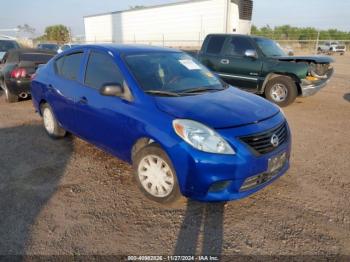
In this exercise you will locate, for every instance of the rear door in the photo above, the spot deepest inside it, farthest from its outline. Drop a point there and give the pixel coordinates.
(236, 68)
(62, 88)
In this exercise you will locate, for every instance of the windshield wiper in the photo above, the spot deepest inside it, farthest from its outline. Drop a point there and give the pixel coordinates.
(201, 90)
(160, 92)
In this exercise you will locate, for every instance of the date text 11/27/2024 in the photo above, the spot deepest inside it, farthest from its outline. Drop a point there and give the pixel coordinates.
(173, 258)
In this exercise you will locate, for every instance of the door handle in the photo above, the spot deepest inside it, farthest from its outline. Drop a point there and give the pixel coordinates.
(225, 61)
(83, 100)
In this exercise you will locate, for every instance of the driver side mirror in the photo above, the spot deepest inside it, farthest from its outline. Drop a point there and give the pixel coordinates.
(110, 89)
(251, 53)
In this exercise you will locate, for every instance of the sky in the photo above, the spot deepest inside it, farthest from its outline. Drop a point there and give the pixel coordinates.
(322, 14)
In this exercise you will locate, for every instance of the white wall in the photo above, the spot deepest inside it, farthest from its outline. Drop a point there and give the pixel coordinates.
(188, 21)
(98, 28)
(184, 24)
(244, 27)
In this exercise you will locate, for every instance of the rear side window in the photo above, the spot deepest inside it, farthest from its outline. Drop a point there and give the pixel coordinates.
(69, 66)
(39, 58)
(101, 69)
(215, 44)
(237, 46)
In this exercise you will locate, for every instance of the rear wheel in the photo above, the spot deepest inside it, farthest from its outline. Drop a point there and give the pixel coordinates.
(155, 175)
(50, 123)
(9, 97)
(281, 91)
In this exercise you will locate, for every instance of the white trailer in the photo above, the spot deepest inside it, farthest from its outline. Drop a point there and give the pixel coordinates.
(180, 24)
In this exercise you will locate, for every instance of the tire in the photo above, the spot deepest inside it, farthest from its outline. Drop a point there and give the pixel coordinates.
(9, 97)
(147, 159)
(50, 123)
(281, 90)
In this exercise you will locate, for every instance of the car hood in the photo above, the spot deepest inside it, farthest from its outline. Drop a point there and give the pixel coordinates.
(315, 59)
(222, 109)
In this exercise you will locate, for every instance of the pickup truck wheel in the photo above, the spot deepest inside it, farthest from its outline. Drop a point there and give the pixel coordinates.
(281, 91)
(9, 97)
(50, 123)
(155, 175)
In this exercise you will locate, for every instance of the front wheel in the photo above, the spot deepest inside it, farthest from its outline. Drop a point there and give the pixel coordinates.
(155, 175)
(50, 123)
(281, 91)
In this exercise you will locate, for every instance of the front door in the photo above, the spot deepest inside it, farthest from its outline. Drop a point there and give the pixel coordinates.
(103, 120)
(235, 67)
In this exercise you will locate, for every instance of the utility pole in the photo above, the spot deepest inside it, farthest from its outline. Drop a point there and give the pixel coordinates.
(317, 41)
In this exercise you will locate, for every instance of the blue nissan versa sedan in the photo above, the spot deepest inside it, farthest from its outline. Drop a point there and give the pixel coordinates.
(184, 130)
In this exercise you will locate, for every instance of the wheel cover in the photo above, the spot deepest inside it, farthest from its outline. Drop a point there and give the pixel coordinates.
(279, 92)
(49, 121)
(156, 176)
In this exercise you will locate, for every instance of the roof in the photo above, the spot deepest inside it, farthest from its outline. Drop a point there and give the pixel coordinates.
(240, 35)
(128, 49)
(146, 7)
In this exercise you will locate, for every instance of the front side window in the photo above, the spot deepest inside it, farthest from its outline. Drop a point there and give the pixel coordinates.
(69, 66)
(177, 73)
(101, 69)
(237, 46)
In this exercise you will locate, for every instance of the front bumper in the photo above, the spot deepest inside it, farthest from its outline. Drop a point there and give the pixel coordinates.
(199, 172)
(310, 88)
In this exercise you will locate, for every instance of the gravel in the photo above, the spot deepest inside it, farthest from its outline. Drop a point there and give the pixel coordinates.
(68, 197)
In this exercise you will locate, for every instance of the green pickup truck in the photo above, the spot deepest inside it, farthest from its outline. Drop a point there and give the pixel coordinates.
(259, 65)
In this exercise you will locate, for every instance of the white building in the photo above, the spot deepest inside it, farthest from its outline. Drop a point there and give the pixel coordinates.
(177, 24)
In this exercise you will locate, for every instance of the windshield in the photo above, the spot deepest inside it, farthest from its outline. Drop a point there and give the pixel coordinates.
(269, 47)
(171, 73)
(7, 45)
(52, 47)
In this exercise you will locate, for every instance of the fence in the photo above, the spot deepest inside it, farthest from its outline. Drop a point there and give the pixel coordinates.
(297, 46)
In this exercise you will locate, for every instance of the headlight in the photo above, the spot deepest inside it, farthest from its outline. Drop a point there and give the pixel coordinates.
(201, 137)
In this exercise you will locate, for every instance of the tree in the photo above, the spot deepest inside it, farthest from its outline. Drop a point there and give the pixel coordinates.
(57, 33)
(287, 32)
(136, 7)
(26, 29)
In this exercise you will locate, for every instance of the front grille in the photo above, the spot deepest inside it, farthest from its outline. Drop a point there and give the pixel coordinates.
(340, 47)
(262, 143)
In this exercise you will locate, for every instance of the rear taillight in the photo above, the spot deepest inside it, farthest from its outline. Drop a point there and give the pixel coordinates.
(19, 73)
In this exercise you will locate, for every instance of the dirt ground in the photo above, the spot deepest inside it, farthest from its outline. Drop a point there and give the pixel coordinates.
(67, 197)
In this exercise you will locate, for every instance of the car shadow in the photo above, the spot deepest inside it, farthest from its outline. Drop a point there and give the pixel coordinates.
(31, 166)
(347, 97)
(204, 219)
